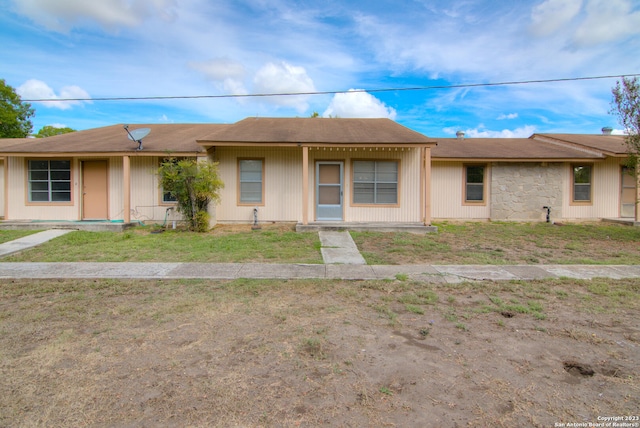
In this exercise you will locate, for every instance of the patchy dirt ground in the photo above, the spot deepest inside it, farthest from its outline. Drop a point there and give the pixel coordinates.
(308, 353)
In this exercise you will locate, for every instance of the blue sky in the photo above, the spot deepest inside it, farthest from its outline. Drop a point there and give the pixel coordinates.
(52, 49)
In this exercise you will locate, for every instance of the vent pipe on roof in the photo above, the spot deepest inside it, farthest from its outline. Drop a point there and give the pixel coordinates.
(460, 135)
(607, 130)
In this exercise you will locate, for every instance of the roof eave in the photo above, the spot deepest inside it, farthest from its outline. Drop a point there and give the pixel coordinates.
(103, 154)
(530, 160)
(312, 144)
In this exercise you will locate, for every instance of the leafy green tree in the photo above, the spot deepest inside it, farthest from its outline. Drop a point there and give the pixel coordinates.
(194, 185)
(14, 114)
(626, 105)
(49, 131)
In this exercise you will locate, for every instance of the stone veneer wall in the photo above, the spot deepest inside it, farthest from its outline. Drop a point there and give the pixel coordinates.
(520, 190)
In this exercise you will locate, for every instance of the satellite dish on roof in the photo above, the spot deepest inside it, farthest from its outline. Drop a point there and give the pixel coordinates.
(137, 134)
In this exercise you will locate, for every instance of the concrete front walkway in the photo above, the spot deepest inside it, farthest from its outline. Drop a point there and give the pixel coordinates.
(30, 241)
(339, 248)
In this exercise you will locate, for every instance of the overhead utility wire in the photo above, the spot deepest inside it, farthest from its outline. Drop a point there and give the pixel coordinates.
(287, 94)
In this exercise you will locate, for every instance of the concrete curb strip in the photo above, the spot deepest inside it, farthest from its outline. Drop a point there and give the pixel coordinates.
(425, 273)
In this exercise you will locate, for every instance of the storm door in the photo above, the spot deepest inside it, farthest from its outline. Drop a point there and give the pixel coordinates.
(329, 184)
(628, 194)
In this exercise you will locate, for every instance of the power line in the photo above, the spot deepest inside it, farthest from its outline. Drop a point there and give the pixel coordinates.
(288, 94)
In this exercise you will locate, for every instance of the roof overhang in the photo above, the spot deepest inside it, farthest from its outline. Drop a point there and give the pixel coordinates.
(137, 153)
(518, 160)
(209, 144)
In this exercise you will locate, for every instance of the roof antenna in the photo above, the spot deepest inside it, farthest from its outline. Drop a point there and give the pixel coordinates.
(137, 134)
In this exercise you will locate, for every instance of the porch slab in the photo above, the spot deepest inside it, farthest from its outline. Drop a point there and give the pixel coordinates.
(628, 221)
(417, 228)
(91, 226)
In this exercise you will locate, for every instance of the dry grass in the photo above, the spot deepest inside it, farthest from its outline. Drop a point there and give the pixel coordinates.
(307, 353)
(505, 243)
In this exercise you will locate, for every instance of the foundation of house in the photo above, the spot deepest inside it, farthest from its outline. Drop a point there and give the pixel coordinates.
(418, 228)
(89, 225)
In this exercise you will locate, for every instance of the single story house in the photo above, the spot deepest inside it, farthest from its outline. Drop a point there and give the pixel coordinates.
(303, 170)
(318, 171)
(572, 177)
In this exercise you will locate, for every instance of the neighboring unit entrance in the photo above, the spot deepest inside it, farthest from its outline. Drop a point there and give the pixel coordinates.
(94, 190)
(329, 190)
(627, 193)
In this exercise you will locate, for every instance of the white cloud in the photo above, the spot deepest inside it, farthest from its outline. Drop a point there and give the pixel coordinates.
(507, 116)
(586, 23)
(62, 15)
(607, 21)
(219, 69)
(552, 15)
(356, 103)
(225, 72)
(284, 78)
(34, 89)
(480, 132)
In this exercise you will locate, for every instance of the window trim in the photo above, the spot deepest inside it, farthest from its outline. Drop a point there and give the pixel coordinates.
(485, 176)
(239, 183)
(29, 202)
(572, 183)
(397, 204)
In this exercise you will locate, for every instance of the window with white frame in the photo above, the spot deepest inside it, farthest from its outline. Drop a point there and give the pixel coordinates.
(251, 181)
(49, 180)
(375, 182)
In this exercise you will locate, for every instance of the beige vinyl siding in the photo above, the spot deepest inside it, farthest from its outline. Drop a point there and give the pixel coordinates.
(408, 209)
(144, 192)
(146, 199)
(447, 186)
(282, 183)
(605, 192)
(409, 198)
(17, 207)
